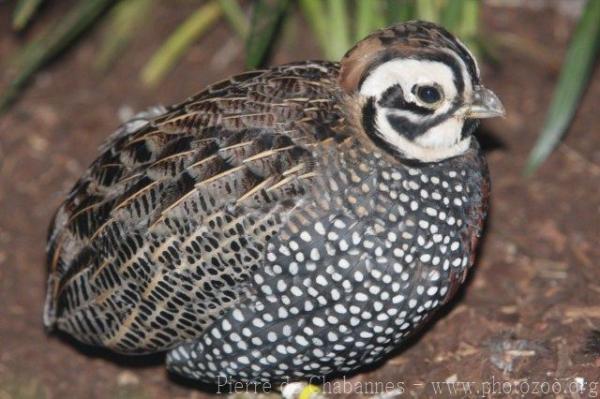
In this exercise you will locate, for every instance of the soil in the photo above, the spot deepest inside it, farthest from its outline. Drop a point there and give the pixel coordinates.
(522, 325)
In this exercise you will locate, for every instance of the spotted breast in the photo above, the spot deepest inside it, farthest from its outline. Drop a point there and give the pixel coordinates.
(288, 223)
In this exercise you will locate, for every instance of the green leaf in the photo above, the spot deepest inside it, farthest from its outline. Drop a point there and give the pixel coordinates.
(184, 36)
(235, 16)
(461, 17)
(573, 79)
(470, 19)
(364, 12)
(317, 19)
(265, 22)
(37, 53)
(125, 18)
(24, 11)
(400, 11)
(452, 15)
(370, 16)
(428, 10)
(339, 32)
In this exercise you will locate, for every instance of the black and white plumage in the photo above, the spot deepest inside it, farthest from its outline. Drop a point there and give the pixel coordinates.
(284, 224)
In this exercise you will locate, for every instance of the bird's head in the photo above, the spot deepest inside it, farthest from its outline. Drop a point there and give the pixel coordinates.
(420, 91)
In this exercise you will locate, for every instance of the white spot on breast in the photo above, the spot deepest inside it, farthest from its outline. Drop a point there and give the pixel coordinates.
(314, 254)
(243, 360)
(238, 315)
(339, 224)
(343, 263)
(343, 244)
(281, 285)
(361, 297)
(430, 211)
(319, 228)
(358, 276)
(321, 280)
(317, 321)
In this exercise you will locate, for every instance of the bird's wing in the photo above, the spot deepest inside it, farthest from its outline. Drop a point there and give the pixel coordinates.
(163, 230)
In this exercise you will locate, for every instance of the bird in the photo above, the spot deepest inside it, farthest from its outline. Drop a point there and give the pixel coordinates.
(285, 224)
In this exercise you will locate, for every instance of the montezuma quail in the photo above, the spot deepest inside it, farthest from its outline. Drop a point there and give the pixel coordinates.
(284, 224)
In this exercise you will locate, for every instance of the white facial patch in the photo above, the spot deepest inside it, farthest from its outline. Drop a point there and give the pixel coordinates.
(442, 140)
(442, 135)
(408, 73)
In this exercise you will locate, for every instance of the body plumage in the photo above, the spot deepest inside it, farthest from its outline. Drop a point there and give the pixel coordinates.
(285, 223)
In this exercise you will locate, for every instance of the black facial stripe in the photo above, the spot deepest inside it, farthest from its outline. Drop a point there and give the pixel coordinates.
(368, 120)
(469, 128)
(412, 130)
(414, 108)
(405, 127)
(464, 55)
(393, 97)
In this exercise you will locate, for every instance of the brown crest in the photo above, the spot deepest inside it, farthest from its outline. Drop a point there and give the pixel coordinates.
(400, 40)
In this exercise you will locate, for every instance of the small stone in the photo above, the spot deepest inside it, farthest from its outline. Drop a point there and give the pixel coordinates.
(127, 378)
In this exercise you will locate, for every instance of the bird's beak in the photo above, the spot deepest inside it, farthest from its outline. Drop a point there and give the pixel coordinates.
(485, 104)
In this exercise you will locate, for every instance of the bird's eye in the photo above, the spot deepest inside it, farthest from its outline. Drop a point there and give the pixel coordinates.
(428, 94)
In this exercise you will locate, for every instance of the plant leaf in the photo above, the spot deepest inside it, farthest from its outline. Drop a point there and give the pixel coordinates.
(369, 17)
(400, 10)
(427, 10)
(266, 19)
(461, 17)
(452, 14)
(235, 16)
(339, 33)
(574, 76)
(125, 18)
(24, 11)
(174, 47)
(469, 26)
(364, 13)
(317, 19)
(37, 53)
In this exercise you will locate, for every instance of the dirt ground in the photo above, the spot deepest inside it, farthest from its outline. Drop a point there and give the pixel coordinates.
(522, 325)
